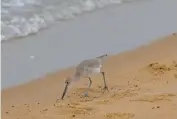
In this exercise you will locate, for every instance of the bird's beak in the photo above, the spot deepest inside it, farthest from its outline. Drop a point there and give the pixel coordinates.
(64, 92)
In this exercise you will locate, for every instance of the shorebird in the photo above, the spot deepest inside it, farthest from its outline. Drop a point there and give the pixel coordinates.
(85, 69)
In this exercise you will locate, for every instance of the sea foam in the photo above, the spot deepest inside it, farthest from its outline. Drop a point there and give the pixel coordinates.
(24, 17)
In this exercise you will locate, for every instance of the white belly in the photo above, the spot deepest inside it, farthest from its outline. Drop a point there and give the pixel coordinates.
(90, 71)
(96, 70)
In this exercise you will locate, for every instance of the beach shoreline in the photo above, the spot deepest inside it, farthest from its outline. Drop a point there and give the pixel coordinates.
(71, 69)
(111, 30)
(141, 81)
(141, 70)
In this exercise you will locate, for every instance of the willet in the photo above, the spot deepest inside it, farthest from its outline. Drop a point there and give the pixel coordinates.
(85, 69)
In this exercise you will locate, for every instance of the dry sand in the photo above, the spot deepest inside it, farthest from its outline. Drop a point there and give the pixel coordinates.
(142, 84)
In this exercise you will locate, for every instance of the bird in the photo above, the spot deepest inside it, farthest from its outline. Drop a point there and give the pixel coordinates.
(85, 69)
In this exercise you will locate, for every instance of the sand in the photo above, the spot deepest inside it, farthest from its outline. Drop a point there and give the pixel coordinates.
(142, 85)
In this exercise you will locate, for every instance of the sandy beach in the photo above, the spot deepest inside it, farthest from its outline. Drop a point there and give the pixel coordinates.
(142, 84)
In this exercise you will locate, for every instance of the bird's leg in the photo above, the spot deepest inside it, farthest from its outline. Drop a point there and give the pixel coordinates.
(105, 86)
(90, 83)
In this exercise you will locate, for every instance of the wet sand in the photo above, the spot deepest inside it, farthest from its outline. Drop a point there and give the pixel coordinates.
(142, 85)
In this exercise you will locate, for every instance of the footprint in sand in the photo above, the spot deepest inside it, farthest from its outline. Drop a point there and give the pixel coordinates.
(154, 98)
(103, 102)
(160, 68)
(119, 115)
(78, 95)
(76, 109)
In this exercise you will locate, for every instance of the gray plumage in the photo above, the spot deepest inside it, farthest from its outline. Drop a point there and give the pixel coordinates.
(85, 69)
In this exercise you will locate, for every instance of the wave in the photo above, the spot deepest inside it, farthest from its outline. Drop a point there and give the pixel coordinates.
(24, 17)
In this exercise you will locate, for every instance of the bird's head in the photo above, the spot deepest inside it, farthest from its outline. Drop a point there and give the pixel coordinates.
(103, 57)
(68, 81)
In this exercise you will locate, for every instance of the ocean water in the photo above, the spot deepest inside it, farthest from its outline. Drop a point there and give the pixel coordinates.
(111, 30)
(24, 17)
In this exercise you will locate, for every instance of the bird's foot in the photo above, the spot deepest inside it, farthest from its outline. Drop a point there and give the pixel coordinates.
(86, 94)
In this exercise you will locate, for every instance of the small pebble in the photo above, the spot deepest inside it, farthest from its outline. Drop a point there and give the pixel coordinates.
(12, 106)
(175, 75)
(7, 112)
(73, 115)
(45, 109)
(158, 106)
(136, 85)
